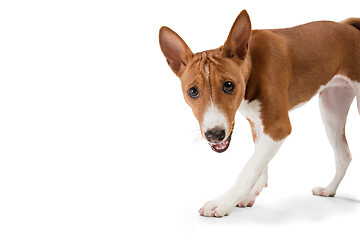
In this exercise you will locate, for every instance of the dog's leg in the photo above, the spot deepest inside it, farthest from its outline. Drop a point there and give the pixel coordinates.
(255, 191)
(334, 106)
(265, 150)
(356, 88)
(263, 179)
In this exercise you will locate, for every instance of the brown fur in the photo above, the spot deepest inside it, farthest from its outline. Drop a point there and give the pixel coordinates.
(253, 132)
(280, 68)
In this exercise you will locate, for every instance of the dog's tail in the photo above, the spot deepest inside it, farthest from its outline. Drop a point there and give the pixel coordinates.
(355, 22)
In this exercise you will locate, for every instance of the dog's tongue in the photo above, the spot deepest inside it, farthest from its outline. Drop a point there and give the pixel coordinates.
(221, 147)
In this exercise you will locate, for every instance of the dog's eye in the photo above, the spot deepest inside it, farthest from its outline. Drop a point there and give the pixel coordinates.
(228, 87)
(193, 92)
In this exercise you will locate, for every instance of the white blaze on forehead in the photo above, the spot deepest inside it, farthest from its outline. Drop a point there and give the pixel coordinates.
(207, 71)
(214, 118)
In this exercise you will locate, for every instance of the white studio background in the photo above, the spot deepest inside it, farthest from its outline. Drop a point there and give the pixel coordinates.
(96, 141)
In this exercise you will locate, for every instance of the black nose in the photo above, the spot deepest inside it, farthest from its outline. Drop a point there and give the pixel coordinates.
(215, 135)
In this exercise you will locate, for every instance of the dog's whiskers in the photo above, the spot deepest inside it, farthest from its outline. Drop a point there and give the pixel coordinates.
(198, 137)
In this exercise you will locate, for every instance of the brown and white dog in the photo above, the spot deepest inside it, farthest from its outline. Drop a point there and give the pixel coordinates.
(263, 74)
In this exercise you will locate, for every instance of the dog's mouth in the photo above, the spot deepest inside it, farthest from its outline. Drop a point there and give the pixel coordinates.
(221, 147)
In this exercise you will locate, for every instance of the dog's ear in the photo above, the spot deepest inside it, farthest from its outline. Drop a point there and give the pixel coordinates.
(237, 42)
(175, 50)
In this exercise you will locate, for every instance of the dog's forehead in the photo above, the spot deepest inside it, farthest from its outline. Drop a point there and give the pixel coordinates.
(207, 67)
(210, 59)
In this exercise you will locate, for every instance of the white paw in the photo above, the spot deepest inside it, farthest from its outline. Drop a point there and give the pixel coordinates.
(324, 192)
(217, 208)
(249, 201)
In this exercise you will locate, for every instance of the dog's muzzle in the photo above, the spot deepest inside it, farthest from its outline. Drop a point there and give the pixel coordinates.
(215, 137)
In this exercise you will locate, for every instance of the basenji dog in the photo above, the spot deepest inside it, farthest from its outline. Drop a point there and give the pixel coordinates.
(263, 74)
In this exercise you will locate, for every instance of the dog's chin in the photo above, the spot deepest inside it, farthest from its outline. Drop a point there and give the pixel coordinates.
(221, 147)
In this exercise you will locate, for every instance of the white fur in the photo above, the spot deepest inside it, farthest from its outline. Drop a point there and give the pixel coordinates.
(334, 101)
(252, 111)
(265, 150)
(214, 118)
(356, 88)
(253, 177)
(207, 71)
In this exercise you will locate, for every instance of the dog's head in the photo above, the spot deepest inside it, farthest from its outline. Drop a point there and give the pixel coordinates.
(213, 82)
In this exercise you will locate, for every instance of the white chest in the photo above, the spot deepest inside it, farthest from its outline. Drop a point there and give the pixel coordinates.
(252, 111)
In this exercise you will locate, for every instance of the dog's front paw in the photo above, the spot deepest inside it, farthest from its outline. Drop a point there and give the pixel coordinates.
(324, 192)
(250, 199)
(246, 202)
(216, 208)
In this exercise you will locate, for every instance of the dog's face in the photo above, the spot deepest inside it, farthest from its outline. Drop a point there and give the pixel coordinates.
(213, 82)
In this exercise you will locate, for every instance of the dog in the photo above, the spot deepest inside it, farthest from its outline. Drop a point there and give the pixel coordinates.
(263, 74)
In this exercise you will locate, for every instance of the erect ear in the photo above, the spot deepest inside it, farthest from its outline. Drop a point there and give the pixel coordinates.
(237, 42)
(175, 50)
